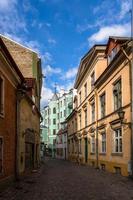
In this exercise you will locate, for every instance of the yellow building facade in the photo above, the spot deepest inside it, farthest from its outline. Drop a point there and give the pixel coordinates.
(104, 108)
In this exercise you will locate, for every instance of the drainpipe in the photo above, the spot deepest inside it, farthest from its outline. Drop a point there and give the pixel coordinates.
(96, 98)
(131, 98)
(17, 136)
(20, 95)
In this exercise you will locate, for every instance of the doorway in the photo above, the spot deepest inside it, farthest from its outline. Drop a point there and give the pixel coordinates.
(86, 150)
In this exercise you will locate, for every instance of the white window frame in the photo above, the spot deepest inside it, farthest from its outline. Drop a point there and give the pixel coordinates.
(117, 139)
(117, 96)
(86, 117)
(103, 143)
(103, 105)
(80, 146)
(93, 113)
(85, 89)
(93, 148)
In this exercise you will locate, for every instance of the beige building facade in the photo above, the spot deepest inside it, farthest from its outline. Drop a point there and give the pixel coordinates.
(104, 107)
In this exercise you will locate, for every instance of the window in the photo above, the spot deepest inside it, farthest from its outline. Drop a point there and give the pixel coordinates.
(80, 143)
(85, 112)
(72, 146)
(92, 144)
(61, 114)
(45, 121)
(68, 146)
(92, 80)
(79, 121)
(49, 111)
(49, 121)
(54, 121)
(117, 95)
(64, 113)
(85, 89)
(1, 96)
(80, 97)
(1, 154)
(103, 149)
(45, 112)
(54, 110)
(93, 112)
(64, 102)
(118, 141)
(76, 124)
(58, 105)
(112, 54)
(49, 132)
(72, 126)
(58, 115)
(61, 104)
(58, 126)
(102, 104)
(54, 131)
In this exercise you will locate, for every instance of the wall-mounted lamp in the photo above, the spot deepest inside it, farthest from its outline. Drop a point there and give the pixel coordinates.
(121, 114)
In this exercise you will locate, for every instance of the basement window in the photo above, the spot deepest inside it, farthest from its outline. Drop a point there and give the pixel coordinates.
(117, 170)
(103, 167)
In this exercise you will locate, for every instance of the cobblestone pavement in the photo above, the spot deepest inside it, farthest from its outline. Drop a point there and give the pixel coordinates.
(62, 180)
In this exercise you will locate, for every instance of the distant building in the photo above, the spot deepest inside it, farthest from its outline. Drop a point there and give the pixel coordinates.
(59, 107)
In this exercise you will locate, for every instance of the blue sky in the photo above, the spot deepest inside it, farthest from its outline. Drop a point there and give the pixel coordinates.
(62, 31)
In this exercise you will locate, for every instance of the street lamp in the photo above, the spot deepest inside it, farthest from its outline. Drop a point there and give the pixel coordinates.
(121, 114)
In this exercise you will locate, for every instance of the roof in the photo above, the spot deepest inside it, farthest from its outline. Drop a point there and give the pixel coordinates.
(3, 36)
(55, 97)
(84, 65)
(118, 39)
(10, 59)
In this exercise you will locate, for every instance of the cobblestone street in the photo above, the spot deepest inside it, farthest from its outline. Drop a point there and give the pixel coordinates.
(62, 180)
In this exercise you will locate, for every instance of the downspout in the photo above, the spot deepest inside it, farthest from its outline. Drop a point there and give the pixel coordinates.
(97, 160)
(131, 100)
(17, 136)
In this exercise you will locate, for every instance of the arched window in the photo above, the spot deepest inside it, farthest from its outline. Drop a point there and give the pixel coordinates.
(54, 110)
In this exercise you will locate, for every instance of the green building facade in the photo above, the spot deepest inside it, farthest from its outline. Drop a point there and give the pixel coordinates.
(57, 110)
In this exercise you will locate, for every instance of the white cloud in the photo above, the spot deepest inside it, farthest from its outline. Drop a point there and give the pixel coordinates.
(51, 41)
(47, 57)
(7, 4)
(112, 30)
(46, 95)
(125, 7)
(48, 70)
(34, 45)
(70, 74)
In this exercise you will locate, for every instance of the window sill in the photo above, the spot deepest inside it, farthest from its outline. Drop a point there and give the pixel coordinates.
(117, 154)
(102, 154)
(92, 153)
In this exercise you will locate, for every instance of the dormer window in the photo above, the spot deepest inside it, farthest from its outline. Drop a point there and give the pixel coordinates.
(92, 80)
(112, 55)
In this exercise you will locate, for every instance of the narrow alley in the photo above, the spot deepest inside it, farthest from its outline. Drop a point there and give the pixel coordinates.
(62, 180)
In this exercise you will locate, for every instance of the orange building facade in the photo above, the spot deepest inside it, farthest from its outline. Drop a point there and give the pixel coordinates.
(104, 107)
